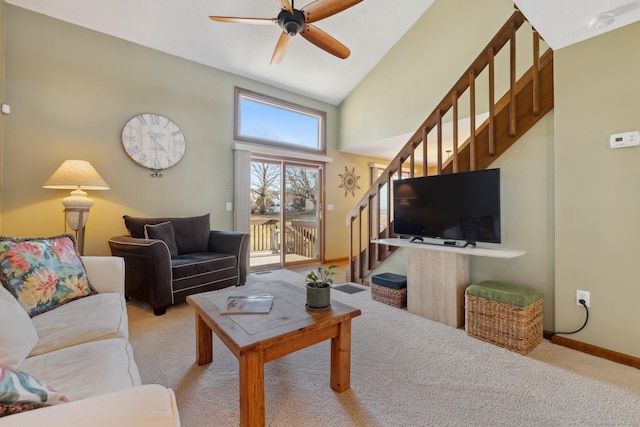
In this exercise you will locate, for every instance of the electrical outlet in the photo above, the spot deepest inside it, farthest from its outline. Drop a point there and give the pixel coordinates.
(582, 295)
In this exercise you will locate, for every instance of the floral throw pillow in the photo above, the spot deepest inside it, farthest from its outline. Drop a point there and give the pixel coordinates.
(20, 391)
(43, 273)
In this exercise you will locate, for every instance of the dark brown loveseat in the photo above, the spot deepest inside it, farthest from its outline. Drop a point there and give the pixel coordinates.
(167, 259)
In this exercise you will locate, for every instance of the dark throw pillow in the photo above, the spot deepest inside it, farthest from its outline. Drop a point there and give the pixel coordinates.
(191, 233)
(163, 231)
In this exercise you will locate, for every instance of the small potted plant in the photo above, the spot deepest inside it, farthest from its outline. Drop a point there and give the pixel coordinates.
(319, 288)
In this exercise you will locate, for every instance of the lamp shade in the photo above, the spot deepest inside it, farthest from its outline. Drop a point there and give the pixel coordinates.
(76, 174)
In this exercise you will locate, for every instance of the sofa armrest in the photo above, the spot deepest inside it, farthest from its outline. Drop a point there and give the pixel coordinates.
(147, 269)
(232, 242)
(148, 405)
(105, 273)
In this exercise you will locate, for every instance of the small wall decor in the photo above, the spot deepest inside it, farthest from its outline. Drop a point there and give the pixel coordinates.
(153, 141)
(349, 181)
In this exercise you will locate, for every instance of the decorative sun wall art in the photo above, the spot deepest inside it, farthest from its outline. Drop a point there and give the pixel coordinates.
(349, 181)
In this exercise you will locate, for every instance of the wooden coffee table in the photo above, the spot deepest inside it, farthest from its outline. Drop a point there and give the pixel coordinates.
(259, 338)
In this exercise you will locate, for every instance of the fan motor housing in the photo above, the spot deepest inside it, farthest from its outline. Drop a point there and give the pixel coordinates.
(291, 23)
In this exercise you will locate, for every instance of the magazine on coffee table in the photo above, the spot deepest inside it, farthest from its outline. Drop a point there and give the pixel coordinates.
(248, 304)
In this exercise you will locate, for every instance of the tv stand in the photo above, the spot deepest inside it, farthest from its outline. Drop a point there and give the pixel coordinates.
(437, 276)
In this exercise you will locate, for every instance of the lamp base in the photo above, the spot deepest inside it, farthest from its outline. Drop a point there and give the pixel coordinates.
(80, 241)
(76, 219)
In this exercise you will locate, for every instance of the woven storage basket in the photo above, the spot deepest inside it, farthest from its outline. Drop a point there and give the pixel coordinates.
(394, 297)
(516, 328)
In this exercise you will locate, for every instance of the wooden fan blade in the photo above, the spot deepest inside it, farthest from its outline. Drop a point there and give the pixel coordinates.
(324, 41)
(254, 21)
(321, 9)
(281, 48)
(284, 4)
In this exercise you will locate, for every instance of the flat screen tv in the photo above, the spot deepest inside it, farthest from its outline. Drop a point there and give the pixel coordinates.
(461, 206)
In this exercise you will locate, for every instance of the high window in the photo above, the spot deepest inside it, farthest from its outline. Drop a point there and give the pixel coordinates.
(271, 121)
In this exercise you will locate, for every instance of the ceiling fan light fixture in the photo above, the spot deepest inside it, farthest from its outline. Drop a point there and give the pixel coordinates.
(291, 23)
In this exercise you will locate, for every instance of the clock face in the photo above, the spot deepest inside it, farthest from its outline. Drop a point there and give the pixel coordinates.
(153, 141)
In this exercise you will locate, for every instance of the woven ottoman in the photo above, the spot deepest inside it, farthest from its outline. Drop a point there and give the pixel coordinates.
(503, 314)
(390, 289)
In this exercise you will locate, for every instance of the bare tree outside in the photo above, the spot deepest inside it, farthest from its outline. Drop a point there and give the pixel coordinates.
(265, 184)
(302, 186)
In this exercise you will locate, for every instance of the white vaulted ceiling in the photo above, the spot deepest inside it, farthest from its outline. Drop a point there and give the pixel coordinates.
(182, 28)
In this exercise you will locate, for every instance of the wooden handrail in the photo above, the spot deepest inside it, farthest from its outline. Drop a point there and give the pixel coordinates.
(467, 151)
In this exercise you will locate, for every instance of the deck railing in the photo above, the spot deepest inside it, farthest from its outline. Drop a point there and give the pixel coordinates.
(300, 237)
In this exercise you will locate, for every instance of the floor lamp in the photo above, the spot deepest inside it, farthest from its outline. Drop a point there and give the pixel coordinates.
(76, 175)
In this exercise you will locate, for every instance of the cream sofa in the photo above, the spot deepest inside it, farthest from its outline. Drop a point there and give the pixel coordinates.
(83, 352)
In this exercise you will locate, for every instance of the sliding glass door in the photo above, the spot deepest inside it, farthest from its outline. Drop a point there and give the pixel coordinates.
(286, 212)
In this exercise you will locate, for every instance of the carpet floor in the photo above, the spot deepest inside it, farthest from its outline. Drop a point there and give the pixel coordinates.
(405, 371)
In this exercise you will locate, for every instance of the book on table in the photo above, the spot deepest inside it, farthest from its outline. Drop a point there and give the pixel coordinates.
(248, 304)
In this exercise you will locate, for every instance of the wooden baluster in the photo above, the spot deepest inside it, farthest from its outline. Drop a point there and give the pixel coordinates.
(378, 209)
(492, 101)
(425, 164)
(377, 224)
(439, 118)
(370, 246)
(472, 120)
(512, 79)
(350, 276)
(412, 161)
(536, 73)
(385, 232)
(454, 103)
(360, 270)
(388, 227)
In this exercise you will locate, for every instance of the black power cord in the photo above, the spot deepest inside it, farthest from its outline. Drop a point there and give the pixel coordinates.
(586, 309)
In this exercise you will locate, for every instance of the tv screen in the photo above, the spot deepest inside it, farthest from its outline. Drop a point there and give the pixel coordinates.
(459, 206)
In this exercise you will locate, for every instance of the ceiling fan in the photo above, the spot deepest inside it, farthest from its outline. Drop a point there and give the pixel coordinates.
(294, 22)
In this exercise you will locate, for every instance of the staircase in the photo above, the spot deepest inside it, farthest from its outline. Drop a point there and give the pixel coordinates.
(528, 98)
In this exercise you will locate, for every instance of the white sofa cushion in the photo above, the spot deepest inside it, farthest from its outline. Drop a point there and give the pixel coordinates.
(106, 273)
(93, 318)
(18, 335)
(88, 369)
(145, 406)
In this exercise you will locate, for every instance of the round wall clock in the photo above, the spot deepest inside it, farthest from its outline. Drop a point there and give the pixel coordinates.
(153, 141)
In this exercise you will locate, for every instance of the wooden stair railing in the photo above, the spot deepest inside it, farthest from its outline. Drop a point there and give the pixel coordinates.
(526, 101)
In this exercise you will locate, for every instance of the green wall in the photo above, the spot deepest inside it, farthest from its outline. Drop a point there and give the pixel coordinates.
(72, 90)
(597, 204)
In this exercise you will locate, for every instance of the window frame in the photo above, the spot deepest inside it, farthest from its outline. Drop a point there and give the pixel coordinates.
(281, 104)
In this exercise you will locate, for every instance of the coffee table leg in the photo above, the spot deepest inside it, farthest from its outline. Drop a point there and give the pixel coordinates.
(252, 389)
(204, 342)
(341, 358)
